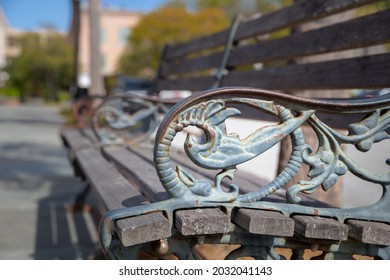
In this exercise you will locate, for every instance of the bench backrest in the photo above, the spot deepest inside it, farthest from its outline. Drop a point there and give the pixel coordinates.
(311, 44)
(178, 60)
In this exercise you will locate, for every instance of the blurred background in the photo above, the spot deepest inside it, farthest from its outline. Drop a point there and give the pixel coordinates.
(48, 59)
(45, 45)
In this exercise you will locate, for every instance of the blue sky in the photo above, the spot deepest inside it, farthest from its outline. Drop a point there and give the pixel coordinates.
(32, 14)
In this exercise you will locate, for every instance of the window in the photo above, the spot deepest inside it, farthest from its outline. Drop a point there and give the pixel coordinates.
(102, 35)
(124, 34)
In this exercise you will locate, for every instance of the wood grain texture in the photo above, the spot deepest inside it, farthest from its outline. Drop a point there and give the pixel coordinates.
(193, 84)
(264, 222)
(116, 192)
(202, 221)
(138, 170)
(369, 232)
(299, 12)
(362, 72)
(192, 64)
(356, 33)
(74, 139)
(320, 228)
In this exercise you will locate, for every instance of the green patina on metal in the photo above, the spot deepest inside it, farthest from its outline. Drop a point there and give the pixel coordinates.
(225, 152)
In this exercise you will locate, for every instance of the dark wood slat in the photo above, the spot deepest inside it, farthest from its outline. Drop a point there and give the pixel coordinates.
(202, 221)
(264, 222)
(209, 41)
(193, 84)
(297, 13)
(363, 72)
(116, 192)
(320, 228)
(300, 12)
(139, 171)
(191, 65)
(361, 32)
(74, 139)
(369, 232)
(90, 135)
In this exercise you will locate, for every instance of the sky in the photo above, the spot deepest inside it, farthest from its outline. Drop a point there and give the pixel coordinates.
(33, 14)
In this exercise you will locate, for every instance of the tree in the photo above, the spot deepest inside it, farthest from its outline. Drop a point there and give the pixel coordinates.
(170, 24)
(44, 65)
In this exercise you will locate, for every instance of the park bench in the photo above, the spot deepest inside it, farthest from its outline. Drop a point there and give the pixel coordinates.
(165, 202)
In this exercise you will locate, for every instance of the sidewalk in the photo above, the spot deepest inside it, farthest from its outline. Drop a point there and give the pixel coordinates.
(36, 186)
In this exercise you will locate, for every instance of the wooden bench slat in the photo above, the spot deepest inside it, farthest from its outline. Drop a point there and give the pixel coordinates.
(297, 13)
(363, 72)
(74, 139)
(202, 221)
(90, 135)
(192, 84)
(264, 222)
(191, 65)
(369, 232)
(115, 192)
(209, 41)
(356, 33)
(132, 165)
(320, 228)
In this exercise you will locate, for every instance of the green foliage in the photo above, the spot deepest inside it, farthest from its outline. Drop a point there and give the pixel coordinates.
(170, 24)
(9, 92)
(43, 67)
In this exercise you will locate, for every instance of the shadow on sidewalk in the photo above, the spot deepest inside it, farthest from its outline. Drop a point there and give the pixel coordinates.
(61, 232)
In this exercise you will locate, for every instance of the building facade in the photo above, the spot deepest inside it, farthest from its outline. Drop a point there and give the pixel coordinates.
(3, 38)
(115, 28)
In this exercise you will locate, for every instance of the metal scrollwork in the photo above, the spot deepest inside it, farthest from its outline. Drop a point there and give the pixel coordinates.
(225, 151)
(330, 161)
(125, 119)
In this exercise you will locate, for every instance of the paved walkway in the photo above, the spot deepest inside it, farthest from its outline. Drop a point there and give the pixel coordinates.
(36, 186)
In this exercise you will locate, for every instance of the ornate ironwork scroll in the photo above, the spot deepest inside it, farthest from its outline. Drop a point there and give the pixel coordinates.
(224, 152)
(126, 119)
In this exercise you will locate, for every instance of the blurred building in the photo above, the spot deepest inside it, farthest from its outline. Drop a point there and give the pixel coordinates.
(115, 28)
(10, 46)
(3, 38)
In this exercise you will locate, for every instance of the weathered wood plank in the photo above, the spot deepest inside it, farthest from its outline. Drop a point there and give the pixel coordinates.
(74, 140)
(362, 72)
(193, 84)
(264, 222)
(369, 232)
(115, 192)
(297, 13)
(193, 64)
(182, 49)
(202, 221)
(357, 33)
(320, 228)
(140, 171)
(300, 12)
(90, 135)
